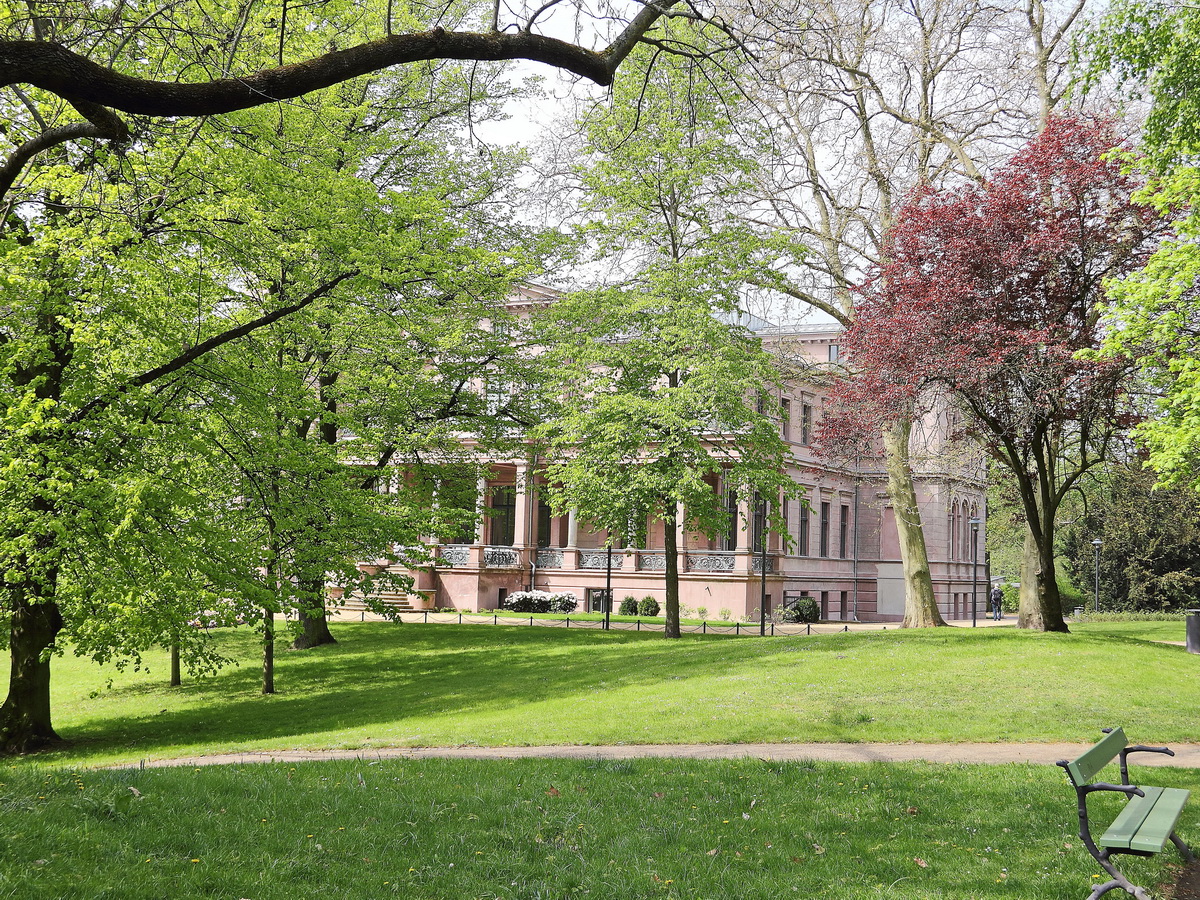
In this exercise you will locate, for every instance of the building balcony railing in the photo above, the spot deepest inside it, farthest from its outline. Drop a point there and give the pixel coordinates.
(549, 558)
(711, 561)
(501, 558)
(756, 563)
(598, 559)
(456, 555)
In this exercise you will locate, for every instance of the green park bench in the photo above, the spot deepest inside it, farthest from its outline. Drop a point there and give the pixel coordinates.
(1143, 826)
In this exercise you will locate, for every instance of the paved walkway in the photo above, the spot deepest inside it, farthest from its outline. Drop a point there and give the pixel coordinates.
(1186, 755)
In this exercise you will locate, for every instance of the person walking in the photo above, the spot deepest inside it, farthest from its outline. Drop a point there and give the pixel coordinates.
(997, 599)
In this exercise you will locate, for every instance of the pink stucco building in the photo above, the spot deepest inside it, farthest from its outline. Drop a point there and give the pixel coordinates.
(843, 552)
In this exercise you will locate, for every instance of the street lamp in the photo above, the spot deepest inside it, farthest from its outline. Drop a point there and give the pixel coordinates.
(762, 600)
(1096, 546)
(974, 522)
(608, 584)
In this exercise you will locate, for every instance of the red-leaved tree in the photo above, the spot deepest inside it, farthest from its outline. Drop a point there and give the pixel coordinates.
(987, 295)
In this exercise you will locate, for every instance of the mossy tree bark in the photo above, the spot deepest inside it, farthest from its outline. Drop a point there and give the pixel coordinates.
(920, 603)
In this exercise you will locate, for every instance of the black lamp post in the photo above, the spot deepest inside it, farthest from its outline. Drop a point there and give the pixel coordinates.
(608, 585)
(975, 523)
(1096, 546)
(762, 599)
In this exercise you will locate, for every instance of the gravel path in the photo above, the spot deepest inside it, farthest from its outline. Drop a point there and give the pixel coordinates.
(1186, 755)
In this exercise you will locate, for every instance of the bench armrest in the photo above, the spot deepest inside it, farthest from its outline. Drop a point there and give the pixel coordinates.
(1140, 748)
(1128, 789)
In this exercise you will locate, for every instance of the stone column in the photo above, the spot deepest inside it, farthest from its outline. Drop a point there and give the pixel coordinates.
(571, 552)
(480, 523)
(521, 497)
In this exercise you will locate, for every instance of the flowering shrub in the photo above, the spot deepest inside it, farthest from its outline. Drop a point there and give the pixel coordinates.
(648, 606)
(539, 602)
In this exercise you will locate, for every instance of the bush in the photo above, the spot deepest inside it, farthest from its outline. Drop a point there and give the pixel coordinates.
(539, 602)
(647, 606)
(806, 609)
(1012, 597)
(628, 607)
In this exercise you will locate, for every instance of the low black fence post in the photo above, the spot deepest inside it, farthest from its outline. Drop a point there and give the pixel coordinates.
(460, 618)
(531, 621)
(639, 621)
(772, 629)
(704, 627)
(426, 617)
(808, 628)
(736, 628)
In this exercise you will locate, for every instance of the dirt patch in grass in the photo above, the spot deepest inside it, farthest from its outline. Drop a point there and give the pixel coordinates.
(1187, 885)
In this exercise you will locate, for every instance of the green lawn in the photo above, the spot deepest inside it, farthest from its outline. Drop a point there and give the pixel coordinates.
(563, 829)
(416, 685)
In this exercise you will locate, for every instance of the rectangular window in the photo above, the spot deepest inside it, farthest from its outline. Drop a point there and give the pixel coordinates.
(497, 394)
(802, 531)
(543, 523)
(596, 600)
(826, 511)
(785, 418)
(844, 532)
(759, 515)
(731, 507)
(833, 352)
(503, 526)
(806, 423)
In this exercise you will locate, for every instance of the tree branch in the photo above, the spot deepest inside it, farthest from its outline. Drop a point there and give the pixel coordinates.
(194, 353)
(54, 68)
(102, 124)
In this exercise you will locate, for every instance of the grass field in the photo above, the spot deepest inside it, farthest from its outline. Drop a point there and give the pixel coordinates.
(567, 829)
(450, 829)
(413, 685)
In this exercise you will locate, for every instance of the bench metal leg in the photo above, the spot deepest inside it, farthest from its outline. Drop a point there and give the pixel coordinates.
(1118, 881)
(1124, 884)
(1184, 850)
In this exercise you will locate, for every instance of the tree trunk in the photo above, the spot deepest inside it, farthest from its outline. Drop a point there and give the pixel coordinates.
(1029, 614)
(25, 716)
(314, 625)
(920, 604)
(1049, 597)
(176, 679)
(671, 550)
(268, 660)
(1041, 602)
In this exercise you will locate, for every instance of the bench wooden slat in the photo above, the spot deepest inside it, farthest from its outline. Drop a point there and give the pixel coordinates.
(1084, 768)
(1156, 830)
(1146, 823)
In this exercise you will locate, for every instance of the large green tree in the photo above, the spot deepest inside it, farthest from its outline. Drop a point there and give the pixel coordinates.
(1149, 555)
(1156, 320)
(658, 391)
(127, 281)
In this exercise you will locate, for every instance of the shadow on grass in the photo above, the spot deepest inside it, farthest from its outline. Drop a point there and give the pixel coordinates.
(380, 674)
(387, 675)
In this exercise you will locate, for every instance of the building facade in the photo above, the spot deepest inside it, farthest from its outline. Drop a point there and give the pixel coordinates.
(841, 547)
